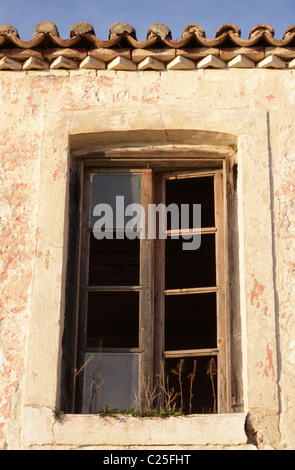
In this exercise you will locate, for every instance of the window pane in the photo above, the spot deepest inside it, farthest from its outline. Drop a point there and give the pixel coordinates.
(110, 379)
(190, 268)
(190, 321)
(193, 191)
(112, 320)
(113, 262)
(105, 188)
(198, 390)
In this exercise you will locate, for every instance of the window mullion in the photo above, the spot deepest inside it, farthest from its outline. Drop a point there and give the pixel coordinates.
(221, 295)
(146, 312)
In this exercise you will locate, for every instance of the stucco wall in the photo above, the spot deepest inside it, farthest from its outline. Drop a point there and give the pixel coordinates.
(39, 113)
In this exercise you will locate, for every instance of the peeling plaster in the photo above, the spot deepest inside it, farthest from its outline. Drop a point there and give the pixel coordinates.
(41, 110)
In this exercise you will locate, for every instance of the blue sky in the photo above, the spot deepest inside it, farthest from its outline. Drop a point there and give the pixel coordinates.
(210, 14)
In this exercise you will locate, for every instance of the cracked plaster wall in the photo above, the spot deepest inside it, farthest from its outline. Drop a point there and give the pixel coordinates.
(38, 112)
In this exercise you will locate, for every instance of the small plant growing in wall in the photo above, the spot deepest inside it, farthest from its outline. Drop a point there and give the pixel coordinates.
(174, 394)
(145, 413)
(191, 378)
(211, 372)
(57, 415)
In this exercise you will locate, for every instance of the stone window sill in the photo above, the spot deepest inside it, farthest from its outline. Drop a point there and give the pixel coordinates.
(122, 432)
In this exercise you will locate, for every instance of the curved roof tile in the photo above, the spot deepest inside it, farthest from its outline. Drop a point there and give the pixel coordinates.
(194, 45)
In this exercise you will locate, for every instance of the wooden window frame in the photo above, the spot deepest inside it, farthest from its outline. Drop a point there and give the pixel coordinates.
(229, 346)
(220, 289)
(145, 287)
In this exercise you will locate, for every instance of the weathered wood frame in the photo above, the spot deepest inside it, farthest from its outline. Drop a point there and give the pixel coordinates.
(145, 289)
(222, 164)
(220, 289)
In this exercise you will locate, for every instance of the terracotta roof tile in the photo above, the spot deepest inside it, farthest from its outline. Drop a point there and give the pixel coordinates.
(84, 49)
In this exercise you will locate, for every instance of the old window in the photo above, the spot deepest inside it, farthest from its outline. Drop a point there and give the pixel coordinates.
(151, 320)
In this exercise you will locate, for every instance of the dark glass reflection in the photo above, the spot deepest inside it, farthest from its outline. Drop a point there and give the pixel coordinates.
(112, 320)
(190, 268)
(193, 191)
(113, 262)
(190, 321)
